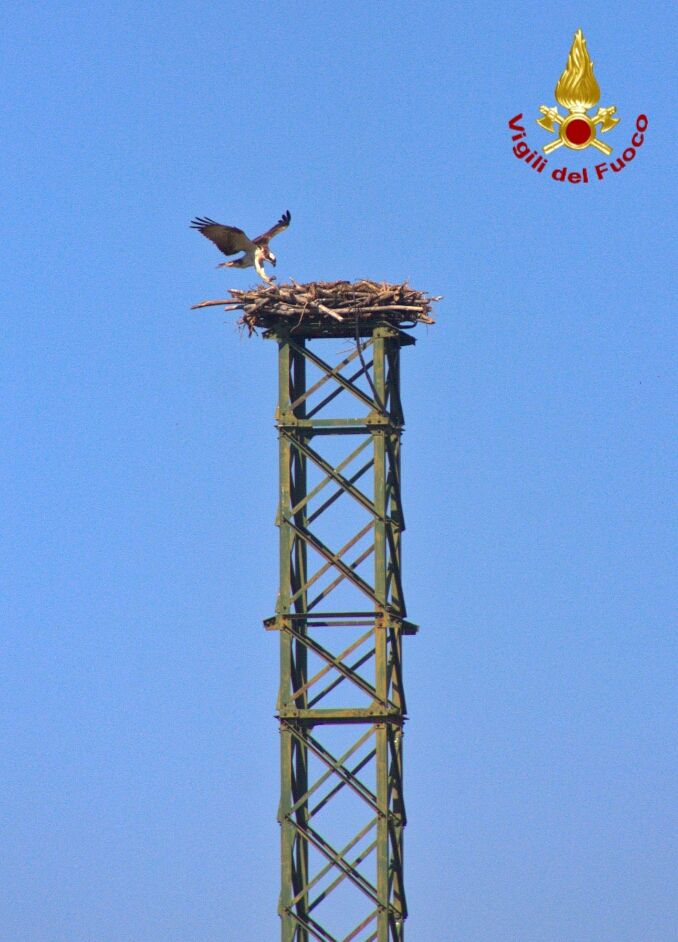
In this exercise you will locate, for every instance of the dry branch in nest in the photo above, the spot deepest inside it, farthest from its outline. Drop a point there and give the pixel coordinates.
(332, 306)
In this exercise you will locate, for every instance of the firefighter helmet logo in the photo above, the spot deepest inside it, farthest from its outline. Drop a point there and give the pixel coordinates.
(578, 91)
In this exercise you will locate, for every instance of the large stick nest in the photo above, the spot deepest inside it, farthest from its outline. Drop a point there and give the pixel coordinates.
(328, 306)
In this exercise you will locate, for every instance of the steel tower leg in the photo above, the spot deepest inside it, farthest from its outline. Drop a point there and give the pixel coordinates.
(341, 704)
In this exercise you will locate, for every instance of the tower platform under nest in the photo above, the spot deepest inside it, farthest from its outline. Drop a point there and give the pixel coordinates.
(328, 308)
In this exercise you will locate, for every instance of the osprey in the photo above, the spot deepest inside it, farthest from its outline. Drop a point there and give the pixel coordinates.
(231, 240)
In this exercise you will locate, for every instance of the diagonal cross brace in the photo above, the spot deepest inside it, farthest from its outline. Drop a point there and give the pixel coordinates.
(326, 655)
(364, 854)
(328, 375)
(333, 373)
(310, 925)
(325, 848)
(326, 480)
(336, 767)
(338, 390)
(333, 473)
(339, 680)
(328, 565)
(319, 782)
(317, 544)
(328, 667)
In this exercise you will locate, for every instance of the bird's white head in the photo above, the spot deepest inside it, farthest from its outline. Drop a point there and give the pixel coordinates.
(268, 256)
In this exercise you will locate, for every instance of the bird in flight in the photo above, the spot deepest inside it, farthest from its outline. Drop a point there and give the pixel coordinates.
(231, 241)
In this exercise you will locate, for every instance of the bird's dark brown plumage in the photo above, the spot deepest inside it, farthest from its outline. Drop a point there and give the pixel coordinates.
(228, 239)
(281, 224)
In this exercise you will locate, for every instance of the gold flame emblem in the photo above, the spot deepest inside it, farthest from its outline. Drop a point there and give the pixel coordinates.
(578, 91)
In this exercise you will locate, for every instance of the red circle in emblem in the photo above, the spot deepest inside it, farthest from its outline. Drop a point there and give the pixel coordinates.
(578, 131)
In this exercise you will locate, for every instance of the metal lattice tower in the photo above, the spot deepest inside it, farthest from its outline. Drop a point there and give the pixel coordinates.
(340, 615)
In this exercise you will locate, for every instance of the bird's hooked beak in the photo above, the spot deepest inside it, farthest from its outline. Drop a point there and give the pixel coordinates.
(273, 260)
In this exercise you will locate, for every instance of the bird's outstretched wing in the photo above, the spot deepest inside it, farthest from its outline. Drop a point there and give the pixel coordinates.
(227, 239)
(280, 226)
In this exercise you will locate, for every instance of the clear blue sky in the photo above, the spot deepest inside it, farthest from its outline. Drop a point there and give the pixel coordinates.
(140, 765)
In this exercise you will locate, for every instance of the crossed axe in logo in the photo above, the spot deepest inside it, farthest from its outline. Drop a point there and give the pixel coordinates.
(577, 130)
